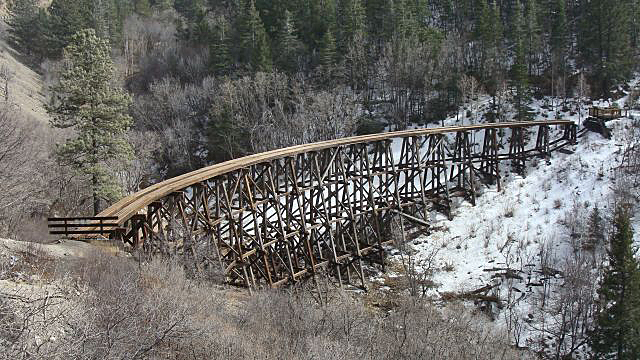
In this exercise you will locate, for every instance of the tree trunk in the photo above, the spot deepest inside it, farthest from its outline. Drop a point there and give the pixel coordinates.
(94, 182)
(96, 198)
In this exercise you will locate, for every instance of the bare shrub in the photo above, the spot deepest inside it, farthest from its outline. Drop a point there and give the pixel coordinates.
(32, 322)
(508, 209)
(23, 190)
(557, 203)
(140, 172)
(144, 36)
(105, 307)
(173, 116)
(294, 327)
(272, 110)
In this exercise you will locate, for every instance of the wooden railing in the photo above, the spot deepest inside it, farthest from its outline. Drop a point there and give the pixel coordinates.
(87, 226)
(607, 113)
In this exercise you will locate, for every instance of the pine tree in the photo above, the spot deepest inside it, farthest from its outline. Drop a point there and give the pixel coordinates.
(379, 19)
(327, 55)
(532, 35)
(21, 23)
(312, 19)
(220, 59)
(605, 42)
(595, 232)
(254, 46)
(272, 14)
(85, 100)
(558, 39)
(404, 22)
(118, 12)
(484, 36)
(66, 18)
(289, 47)
(494, 52)
(350, 22)
(496, 25)
(558, 36)
(635, 23)
(522, 97)
(108, 22)
(191, 9)
(617, 325)
(143, 7)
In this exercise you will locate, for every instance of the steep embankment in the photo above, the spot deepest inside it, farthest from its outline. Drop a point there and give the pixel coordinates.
(25, 86)
(525, 254)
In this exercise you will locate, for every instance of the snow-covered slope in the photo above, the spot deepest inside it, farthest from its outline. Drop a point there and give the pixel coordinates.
(521, 245)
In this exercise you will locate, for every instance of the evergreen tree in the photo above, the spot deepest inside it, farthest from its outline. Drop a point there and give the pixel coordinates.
(617, 325)
(85, 100)
(254, 46)
(558, 35)
(24, 12)
(143, 7)
(532, 35)
(558, 39)
(193, 10)
(313, 19)
(350, 22)
(327, 55)
(484, 37)
(66, 18)
(521, 97)
(404, 23)
(220, 59)
(289, 47)
(494, 52)
(595, 232)
(605, 42)
(496, 25)
(380, 20)
(108, 21)
(595, 237)
(117, 11)
(272, 13)
(635, 23)
(25, 32)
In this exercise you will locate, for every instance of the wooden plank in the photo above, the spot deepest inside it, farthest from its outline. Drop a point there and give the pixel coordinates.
(74, 225)
(82, 218)
(412, 218)
(82, 232)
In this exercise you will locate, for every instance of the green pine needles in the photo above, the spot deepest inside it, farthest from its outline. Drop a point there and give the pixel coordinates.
(86, 100)
(616, 334)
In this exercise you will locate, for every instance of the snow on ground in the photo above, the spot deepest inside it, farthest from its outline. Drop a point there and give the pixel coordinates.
(526, 213)
(534, 222)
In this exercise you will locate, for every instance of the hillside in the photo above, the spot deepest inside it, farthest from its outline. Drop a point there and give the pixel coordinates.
(515, 253)
(25, 85)
(148, 90)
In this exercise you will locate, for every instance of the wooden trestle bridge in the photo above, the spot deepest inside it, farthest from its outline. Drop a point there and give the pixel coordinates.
(282, 216)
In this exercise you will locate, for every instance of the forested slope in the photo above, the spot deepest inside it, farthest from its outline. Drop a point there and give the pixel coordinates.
(209, 78)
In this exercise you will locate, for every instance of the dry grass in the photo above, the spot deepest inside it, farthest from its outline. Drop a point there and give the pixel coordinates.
(104, 307)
